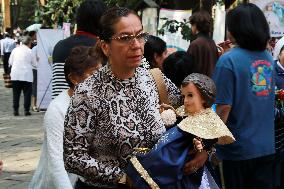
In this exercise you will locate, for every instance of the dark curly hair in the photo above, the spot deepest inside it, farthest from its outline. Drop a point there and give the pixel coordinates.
(80, 59)
(205, 86)
(202, 20)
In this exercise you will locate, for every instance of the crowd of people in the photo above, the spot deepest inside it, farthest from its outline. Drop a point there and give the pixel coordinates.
(19, 63)
(108, 126)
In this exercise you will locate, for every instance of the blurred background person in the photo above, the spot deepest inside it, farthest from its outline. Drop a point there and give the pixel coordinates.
(88, 29)
(279, 70)
(50, 173)
(7, 45)
(22, 75)
(203, 49)
(155, 51)
(35, 55)
(177, 66)
(279, 119)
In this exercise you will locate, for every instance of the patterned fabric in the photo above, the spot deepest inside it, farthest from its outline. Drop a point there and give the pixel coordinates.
(107, 119)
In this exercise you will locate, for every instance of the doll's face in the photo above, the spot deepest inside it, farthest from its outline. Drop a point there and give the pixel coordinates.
(192, 99)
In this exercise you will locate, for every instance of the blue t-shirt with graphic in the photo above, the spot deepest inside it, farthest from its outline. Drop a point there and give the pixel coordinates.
(245, 81)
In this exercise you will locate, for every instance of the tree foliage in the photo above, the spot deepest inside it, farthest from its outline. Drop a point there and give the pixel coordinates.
(173, 26)
(22, 12)
(57, 11)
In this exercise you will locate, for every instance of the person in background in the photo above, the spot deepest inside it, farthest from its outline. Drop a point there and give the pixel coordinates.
(203, 49)
(50, 173)
(155, 51)
(7, 45)
(32, 34)
(279, 120)
(278, 45)
(177, 66)
(22, 75)
(245, 101)
(279, 70)
(88, 29)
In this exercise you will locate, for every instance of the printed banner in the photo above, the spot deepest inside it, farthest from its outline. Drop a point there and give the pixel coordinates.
(46, 40)
(174, 40)
(66, 27)
(274, 13)
(149, 20)
(219, 24)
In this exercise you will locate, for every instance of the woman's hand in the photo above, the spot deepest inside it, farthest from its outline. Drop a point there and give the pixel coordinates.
(193, 165)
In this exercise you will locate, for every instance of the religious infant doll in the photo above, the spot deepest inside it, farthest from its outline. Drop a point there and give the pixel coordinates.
(162, 166)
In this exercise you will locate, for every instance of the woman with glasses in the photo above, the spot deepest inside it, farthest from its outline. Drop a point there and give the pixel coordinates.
(116, 110)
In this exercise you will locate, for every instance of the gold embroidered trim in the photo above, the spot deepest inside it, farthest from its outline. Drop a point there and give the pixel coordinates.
(207, 125)
(144, 174)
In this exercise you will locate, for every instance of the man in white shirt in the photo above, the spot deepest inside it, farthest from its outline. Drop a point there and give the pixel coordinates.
(7, 45)
(21, 61)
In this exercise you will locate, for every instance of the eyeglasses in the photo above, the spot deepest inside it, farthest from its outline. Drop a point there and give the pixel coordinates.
(128, 39)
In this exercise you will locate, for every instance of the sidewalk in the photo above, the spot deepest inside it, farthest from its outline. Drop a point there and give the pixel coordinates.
(20, 141)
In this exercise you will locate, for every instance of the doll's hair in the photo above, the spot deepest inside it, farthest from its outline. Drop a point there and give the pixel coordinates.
(205, 85)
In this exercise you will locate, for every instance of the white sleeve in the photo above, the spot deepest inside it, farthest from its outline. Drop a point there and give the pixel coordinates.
(11, 58)
(2, 48)
(54, 126)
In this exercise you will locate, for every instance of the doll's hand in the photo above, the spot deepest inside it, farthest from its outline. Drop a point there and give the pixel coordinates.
(198, 145)
(193, 165)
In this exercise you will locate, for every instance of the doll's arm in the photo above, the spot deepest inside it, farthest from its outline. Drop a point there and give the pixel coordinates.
(203, 144)
(200, 156)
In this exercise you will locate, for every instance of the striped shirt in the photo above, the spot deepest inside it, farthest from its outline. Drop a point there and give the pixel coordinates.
(60, 54)
(59, 83)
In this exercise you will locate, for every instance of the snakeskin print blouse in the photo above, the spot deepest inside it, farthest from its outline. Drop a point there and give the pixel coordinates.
(107, 119)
